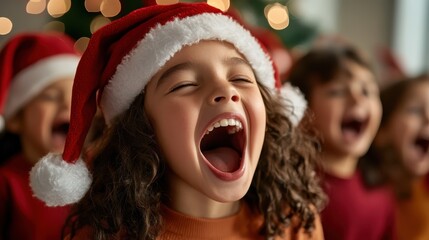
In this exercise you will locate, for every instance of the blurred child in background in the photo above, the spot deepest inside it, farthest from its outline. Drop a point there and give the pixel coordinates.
(344, 112)
(36, 77)
(401, 149)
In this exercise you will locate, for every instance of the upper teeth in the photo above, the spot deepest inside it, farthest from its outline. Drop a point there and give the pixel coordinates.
(225, 123)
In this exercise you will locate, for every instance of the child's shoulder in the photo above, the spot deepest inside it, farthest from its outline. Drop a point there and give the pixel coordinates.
(301, 234)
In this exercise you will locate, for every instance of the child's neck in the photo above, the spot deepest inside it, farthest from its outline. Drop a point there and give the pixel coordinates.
(343, 166)
(199, 205)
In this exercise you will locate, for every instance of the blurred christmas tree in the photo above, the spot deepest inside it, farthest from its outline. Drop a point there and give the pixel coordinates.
(296, 33)
(78, 21)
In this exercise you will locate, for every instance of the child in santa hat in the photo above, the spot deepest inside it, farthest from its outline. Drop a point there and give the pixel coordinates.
(198, 142)
(36, 77)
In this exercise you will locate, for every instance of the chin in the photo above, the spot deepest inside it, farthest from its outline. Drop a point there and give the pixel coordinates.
(232, 191)
(230, 196)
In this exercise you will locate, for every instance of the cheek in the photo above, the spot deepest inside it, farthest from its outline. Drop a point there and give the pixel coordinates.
(403, 133)
(260, 120)
(38, 117)
(376, 111)
(324, 115)
(174, 128)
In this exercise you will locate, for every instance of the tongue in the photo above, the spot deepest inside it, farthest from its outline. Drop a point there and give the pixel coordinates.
(58, 141)
(350, 134)
(223, 158)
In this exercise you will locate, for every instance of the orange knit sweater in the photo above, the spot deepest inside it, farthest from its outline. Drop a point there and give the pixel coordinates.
(241, 226)
(413, 214)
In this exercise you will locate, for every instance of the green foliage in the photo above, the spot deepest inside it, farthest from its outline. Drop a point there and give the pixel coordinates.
(77, 20)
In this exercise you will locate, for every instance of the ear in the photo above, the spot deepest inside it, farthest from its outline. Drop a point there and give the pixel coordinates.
(14, 123)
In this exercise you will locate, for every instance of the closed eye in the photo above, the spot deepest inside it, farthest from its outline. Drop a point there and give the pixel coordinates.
(335, 92)
(181, 86)
(51, 96)
(415, 109)
(242, 80)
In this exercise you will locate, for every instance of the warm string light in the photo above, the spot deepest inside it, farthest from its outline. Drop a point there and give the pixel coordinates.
(81, 44)
(57, 8)
(110, 8)
(223, 5)
(98, 22)
(5, 26)
(277, 16)
(93, 5)
(56, 26)
(35, 7)
(166, 2)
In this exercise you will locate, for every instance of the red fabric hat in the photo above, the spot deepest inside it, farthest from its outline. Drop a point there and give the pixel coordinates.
(30, 62)
(120, 60)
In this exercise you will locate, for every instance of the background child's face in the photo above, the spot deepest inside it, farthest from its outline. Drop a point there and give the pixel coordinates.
(43, 122)
(209, 120)
(408, 129)
(347, 111)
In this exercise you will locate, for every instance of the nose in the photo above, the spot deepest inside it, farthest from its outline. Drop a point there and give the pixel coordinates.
(355, 95)
(224, 93)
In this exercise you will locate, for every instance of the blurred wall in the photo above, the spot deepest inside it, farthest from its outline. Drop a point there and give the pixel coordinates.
(368, 23)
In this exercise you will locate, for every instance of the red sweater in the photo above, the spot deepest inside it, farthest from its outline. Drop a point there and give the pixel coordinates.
(22, 216)
(244, 225)
(355, 212)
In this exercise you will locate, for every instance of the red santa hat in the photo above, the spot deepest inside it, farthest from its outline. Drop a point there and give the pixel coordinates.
(120, 60)
(30, 62)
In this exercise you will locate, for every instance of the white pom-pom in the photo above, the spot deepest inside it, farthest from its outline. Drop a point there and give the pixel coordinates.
(292, 95)
(59, 183)
(2, 124)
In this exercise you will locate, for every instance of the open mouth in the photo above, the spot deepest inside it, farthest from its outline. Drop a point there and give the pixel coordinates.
(422, 144)
(222, 146)
(59, 134)
(353, 128)
(61, 128)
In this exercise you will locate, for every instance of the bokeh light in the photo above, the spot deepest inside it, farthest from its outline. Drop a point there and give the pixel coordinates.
(34, 7)
(223, 5)
(56, 26)
(81, 44)
(57, 8)
(110, 8)
(98, 22)
(277, 16)
(5, 26)
(166, 2)
(93, 5)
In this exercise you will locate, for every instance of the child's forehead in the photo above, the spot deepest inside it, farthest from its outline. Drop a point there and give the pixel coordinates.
(195, 52)
(417, 89)
(200, 47)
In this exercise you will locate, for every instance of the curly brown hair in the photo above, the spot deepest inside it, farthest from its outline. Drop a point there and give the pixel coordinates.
(383, 163)
(128, 179)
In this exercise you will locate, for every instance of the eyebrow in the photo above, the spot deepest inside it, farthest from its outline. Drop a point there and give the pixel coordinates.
(188, 65)
(175, 68)
(237, 61)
